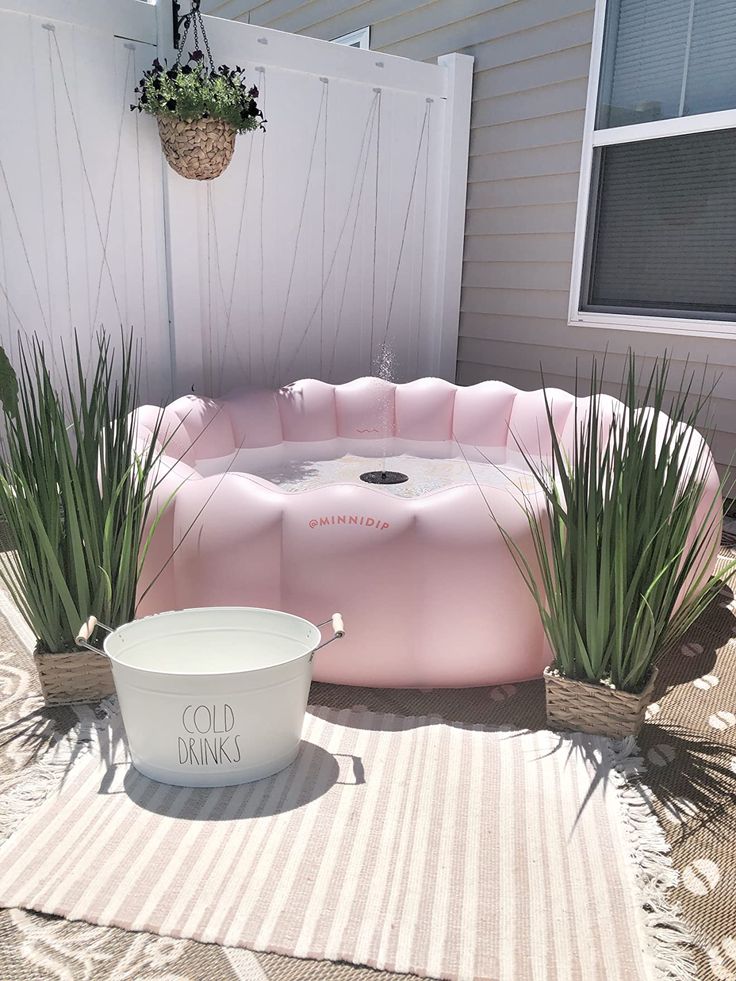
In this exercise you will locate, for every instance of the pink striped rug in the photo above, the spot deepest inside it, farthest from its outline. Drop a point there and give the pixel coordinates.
(406, 844)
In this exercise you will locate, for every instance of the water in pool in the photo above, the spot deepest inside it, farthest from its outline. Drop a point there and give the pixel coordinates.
(429, 466)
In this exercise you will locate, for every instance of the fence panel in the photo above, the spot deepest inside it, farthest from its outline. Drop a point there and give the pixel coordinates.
(81, 186)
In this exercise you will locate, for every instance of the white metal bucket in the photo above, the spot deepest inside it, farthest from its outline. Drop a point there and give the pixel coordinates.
(215, 696)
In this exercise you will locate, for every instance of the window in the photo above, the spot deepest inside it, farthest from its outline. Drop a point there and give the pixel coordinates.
(655, 242)
(358, 39)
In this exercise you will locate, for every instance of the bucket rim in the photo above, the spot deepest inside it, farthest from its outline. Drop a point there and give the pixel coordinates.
(210, 609)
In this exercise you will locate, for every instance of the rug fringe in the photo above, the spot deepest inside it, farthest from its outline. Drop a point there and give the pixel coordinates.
(670, 942)
(36, 782)
(45, 774)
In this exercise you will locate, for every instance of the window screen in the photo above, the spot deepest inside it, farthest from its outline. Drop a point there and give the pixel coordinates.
(662, 229)
(666, 58)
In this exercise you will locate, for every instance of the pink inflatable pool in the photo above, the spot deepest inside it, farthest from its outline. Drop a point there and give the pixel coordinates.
(271, 511)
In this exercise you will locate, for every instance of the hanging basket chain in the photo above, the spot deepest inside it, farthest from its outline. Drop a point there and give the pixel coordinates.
(194, 21)
(181, 20)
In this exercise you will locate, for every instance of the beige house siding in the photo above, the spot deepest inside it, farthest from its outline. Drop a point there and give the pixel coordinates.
(531, 73)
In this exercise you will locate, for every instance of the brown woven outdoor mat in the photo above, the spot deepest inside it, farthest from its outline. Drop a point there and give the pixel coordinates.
(689, 744)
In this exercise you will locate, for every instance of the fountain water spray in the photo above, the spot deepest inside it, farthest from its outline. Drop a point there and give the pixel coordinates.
(383, 368)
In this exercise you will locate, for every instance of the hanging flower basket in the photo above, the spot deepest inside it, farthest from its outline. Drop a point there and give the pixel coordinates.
(198, 149)
(200, 109)
(584, 706)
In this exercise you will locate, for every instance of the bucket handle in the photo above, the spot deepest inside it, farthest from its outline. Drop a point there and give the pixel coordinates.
(338, 628)
(86, 631)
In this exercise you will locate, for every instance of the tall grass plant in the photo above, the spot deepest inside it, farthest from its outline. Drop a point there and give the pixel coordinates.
(75, 492)
(624, 539)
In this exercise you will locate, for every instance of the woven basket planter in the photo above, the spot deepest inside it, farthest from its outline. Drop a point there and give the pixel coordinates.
(199, 149)
(582, 706)
(75, 676)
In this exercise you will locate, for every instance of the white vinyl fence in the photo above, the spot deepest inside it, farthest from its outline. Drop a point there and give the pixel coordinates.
(81, 197)
(333, 235)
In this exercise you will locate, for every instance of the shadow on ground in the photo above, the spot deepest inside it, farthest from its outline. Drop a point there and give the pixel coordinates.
(33, 733)
(519, 706)
(689, 774)
(38, 732)
(310, 776)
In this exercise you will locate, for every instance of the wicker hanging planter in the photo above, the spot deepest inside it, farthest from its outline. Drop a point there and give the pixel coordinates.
(199, 149)
(73, 676)
(199, 109)
(584, 706)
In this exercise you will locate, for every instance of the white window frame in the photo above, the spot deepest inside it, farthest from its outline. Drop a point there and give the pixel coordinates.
(592, 138)
(363, 36)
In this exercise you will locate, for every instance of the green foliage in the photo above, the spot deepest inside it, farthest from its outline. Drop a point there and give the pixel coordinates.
(615, 534)
(191, 91)
(8, 385)
(74, 491)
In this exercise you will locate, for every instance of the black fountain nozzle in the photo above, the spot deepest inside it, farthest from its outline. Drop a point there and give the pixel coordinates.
(384, 477)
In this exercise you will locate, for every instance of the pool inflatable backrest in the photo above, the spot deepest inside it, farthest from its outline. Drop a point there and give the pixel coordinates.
(430, 409)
